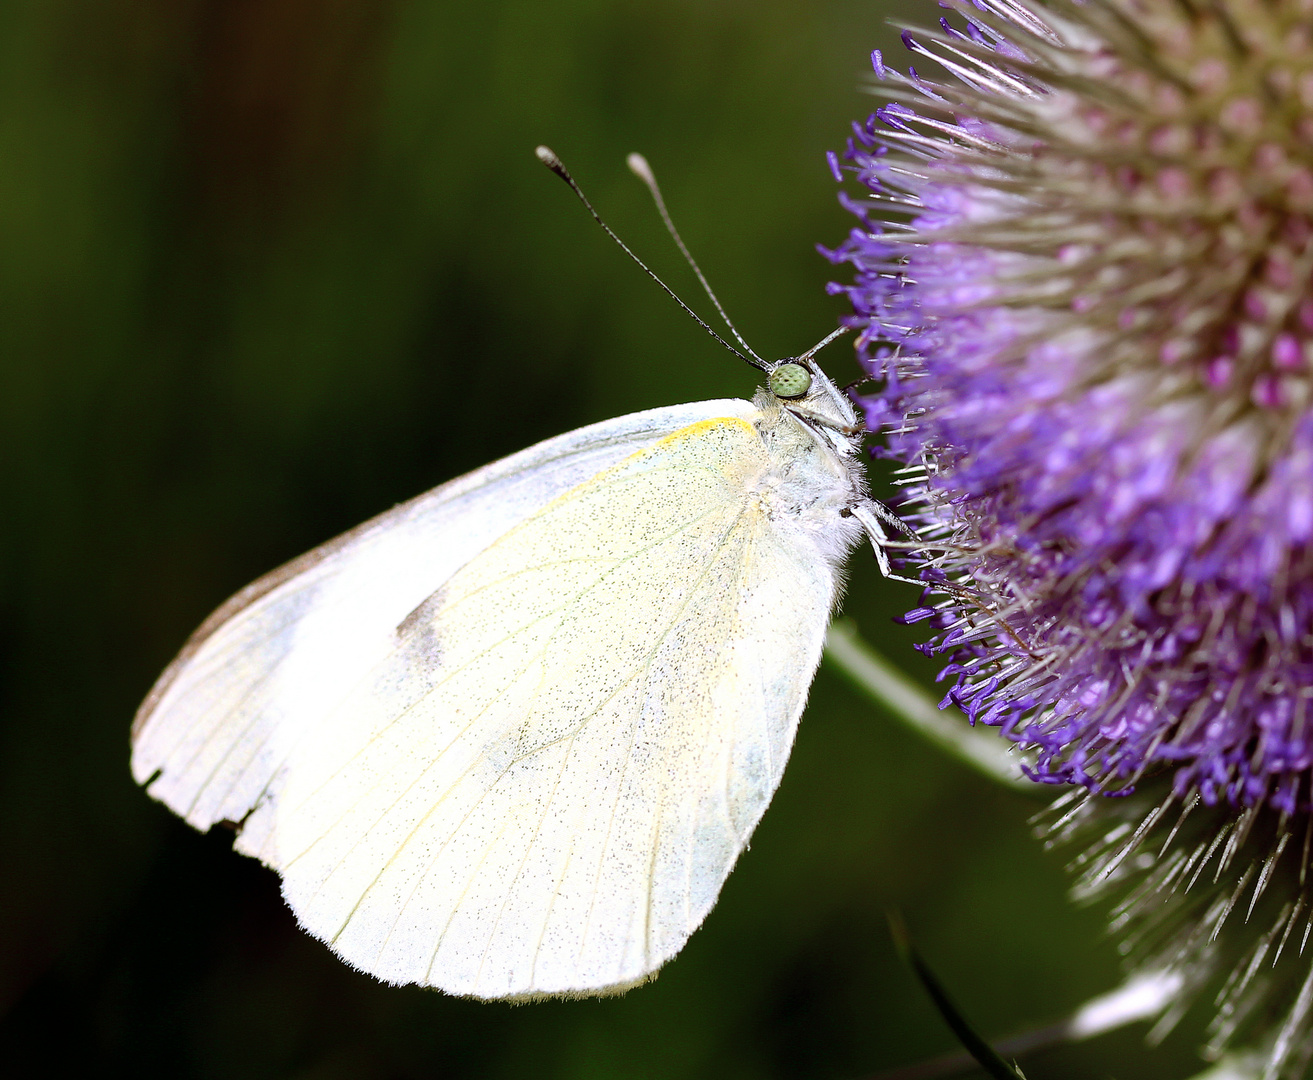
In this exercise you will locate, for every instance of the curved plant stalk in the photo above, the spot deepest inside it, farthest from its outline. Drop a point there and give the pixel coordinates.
(980, 748)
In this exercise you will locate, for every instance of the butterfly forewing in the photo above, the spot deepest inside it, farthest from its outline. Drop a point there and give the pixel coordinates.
(266, 669)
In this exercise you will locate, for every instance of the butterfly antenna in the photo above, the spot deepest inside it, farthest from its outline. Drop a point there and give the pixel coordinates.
(824, 342)
(549, 158)
(639, 167)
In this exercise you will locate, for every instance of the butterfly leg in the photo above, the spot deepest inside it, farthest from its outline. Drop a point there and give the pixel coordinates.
(874, 516)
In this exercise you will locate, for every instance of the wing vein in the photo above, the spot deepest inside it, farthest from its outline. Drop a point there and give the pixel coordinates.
(563, 608)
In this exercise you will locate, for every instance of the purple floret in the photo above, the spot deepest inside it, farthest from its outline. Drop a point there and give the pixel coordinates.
(1125, 506)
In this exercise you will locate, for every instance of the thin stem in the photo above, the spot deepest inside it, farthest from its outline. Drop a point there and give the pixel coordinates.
(1143, 996)
(981, 1052)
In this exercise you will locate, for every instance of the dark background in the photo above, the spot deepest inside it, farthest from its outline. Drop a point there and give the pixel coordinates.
(267, 268)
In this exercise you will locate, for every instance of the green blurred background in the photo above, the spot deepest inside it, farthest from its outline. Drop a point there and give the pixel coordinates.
(267, 268)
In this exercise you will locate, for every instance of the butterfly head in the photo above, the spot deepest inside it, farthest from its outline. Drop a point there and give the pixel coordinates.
(804, 390)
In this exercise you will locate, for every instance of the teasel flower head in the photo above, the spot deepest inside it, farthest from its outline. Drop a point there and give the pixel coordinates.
(1084, 285)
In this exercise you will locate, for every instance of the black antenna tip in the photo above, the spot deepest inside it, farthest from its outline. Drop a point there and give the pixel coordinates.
(548, 157)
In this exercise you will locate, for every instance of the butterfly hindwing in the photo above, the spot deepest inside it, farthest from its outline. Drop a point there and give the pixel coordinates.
(543, 786)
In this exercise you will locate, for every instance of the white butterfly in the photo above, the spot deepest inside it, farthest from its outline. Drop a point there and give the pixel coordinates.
(509, 738)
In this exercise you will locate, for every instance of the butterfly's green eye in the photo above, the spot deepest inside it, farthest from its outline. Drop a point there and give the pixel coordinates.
(790, 381)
